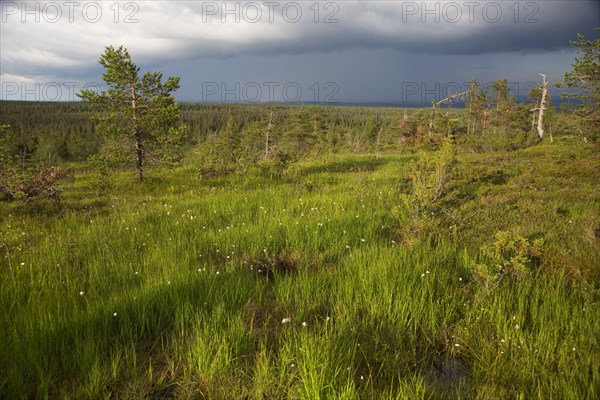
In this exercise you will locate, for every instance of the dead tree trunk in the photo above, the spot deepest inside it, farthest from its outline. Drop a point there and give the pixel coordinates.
(485, 113)
(471, 99)
(378, 138)
(269, 133)
(356, 143)
(540, 124)
(469, 115)
(534, 115)
(433, 104)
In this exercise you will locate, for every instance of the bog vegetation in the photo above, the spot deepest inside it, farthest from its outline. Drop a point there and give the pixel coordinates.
(299, 252)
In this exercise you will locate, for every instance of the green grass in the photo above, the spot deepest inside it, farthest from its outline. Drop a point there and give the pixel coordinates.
(178, 287)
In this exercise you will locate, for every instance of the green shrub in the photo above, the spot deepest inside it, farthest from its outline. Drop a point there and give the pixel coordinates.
(430, 176)
(509, 255)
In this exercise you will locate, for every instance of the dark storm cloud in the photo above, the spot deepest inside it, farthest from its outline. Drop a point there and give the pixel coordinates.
(187, 35)
(465, 28)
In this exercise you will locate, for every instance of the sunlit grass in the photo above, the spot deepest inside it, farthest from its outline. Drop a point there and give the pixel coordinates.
(177, 287)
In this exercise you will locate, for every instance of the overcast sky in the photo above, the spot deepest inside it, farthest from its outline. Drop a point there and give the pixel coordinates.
(327, 51)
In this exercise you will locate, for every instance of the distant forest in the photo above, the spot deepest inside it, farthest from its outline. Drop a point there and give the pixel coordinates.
(50, 133)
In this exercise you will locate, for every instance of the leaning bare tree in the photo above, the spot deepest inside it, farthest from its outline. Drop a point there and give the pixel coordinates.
(434, 105)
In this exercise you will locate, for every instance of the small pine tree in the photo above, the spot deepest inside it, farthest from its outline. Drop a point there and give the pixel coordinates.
(299, 139)
(430, 176)
(138, 112)
(251, 147)
(318, 129)
(585, 76)
(228, 144)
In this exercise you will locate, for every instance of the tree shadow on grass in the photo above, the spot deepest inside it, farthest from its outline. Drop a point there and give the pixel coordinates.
(68, 353)
(49, 208)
